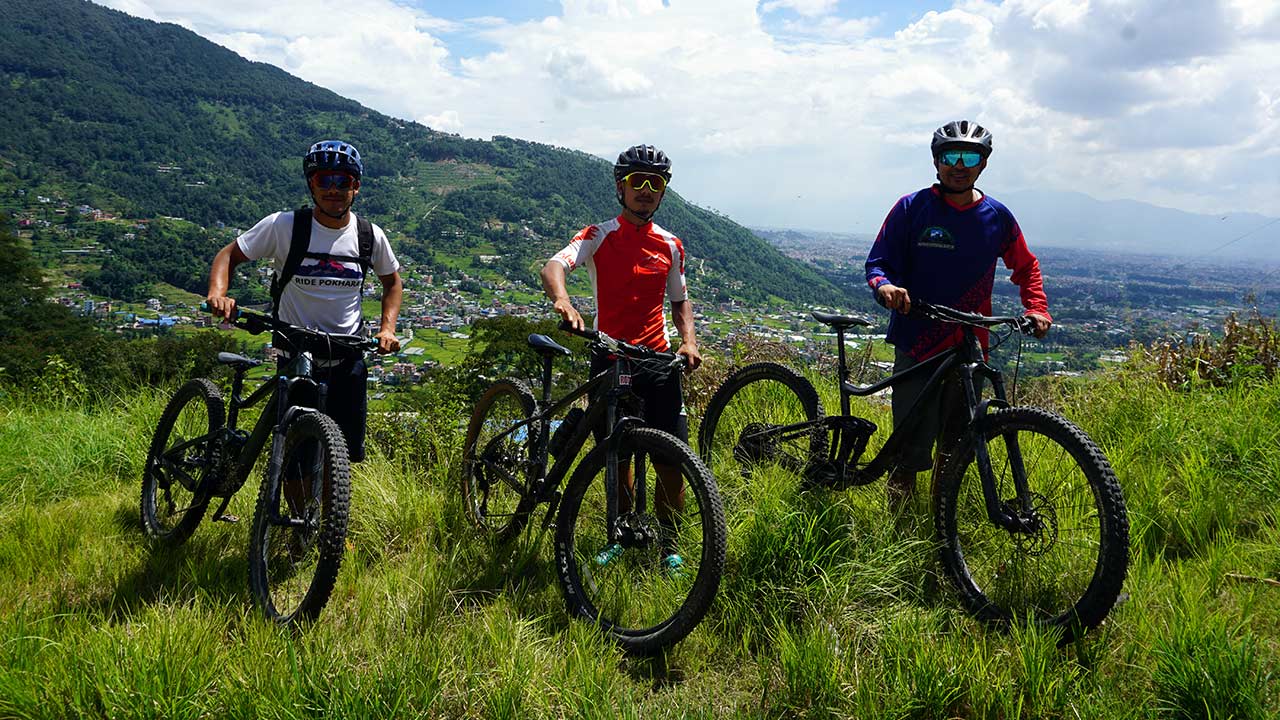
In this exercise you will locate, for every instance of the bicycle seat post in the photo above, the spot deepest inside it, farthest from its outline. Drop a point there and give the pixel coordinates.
(237, 386)
(843, 370)
(546, 378)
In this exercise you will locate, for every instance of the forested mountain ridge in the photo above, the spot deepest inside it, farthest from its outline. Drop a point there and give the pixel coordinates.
(146, 119)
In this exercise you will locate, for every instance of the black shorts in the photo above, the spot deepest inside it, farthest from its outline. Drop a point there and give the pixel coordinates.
(663, 399)
(347, 400)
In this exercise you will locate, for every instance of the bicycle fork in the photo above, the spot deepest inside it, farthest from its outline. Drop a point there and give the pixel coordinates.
(1017, 514)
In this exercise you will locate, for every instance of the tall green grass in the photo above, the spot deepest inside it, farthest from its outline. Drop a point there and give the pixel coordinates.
(830, 606)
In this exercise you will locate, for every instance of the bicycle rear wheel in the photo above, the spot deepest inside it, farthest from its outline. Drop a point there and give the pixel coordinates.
(300, 526)
(496, 466)
(740, 429)
(1066, 569)
(182, 463)
(651, 588)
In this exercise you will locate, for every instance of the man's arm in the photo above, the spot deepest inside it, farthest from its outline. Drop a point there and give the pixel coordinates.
(885, 256)
(1026, 275)
(224, 263)
(682, 316)
(554, 284)
(392, 295)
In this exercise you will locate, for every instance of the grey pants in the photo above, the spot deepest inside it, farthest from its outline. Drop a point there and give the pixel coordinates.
(940, 417)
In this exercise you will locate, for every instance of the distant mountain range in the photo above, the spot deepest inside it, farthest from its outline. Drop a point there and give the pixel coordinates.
(1076, 220)
(144, 119)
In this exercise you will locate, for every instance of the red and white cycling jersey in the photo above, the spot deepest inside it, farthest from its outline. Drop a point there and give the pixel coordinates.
(630, 268)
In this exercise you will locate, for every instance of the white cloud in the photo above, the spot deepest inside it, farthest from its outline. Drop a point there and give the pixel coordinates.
(821, 124)
(808, 8)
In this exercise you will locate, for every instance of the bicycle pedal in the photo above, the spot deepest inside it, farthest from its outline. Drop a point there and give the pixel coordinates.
(227, 518)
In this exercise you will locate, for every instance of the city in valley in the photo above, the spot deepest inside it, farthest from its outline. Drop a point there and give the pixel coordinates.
(1102, 302)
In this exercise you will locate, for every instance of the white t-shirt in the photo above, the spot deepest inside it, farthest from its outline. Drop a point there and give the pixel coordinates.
(323, 295)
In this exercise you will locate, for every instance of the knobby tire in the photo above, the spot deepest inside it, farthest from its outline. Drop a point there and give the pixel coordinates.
(644, 605)
(176, 482)
(292, 570)
(1068, 572)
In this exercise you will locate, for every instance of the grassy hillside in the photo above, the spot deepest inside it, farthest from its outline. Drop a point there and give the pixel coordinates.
(828, 608)
(145, 119)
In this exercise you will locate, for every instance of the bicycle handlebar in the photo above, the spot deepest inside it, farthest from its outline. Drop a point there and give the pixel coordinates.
(255, 322)
(619, 347)
(1022, 324)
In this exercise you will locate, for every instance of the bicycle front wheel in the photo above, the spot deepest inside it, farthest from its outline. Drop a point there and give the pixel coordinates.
(1066, 565)
(182, 463)
(651, 586)
(300, 526)
(496, 463)
(751, 420)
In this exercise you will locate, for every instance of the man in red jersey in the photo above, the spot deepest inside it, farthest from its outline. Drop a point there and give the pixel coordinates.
(633, 263)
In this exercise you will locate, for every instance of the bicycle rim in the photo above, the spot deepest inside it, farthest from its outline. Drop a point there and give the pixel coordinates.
(647, 594)
(182, 457)
(742, 429)
(301, 523)
(495, 466)
(1066, 569)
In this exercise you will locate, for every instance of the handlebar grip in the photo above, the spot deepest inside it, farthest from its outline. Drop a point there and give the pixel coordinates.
(587, 333)
(204, 307)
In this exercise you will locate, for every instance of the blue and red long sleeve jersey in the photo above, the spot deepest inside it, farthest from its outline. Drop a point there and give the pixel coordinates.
(947, 255)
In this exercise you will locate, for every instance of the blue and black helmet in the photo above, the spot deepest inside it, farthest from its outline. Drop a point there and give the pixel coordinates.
(332, 155)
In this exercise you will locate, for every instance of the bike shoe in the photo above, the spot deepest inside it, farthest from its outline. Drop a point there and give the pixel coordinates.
(673, 564)
(609, 554)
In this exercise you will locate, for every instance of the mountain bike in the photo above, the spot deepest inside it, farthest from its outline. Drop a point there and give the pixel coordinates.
(644, 568)
(199, 454)
(1028, 514)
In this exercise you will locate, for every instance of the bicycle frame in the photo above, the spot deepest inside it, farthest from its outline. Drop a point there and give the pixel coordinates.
(605, 389)
(968, 362)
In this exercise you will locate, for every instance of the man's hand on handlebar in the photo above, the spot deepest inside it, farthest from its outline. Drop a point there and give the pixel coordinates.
(894, 297)
(387, 342)
(569, 313)
(693, 358)
(221, 306)
(1040, 324)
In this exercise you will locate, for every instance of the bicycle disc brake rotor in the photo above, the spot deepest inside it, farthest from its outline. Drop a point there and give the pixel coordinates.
(635, 530)
(1041, 526)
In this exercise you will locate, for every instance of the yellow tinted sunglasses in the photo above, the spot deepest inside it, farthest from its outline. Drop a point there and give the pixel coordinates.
(638, 180)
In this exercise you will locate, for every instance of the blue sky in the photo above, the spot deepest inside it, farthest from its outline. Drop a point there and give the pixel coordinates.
(815, 113)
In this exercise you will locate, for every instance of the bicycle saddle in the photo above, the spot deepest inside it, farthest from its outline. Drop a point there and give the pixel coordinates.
(546, 345)
(838, 322)
(235, 360)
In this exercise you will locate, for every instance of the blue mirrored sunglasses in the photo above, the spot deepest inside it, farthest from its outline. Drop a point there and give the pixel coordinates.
(964, 158)
(340, 181)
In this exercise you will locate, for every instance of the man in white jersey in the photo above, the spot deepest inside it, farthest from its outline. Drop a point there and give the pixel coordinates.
(323, 291)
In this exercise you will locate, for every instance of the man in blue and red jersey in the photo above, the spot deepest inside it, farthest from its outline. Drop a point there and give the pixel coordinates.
(940, 245)
(633, 264)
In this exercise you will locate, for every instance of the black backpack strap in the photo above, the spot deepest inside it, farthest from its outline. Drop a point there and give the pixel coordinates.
(298, 245)
(364, 236)
(364, 239)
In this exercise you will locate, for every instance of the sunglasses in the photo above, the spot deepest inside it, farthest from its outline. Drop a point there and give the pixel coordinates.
(339, 181)
(951, 158)
(637, 180)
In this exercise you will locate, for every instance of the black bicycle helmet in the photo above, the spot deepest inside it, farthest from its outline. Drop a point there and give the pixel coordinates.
(961, 135)
(332, 155)
(642, 158)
